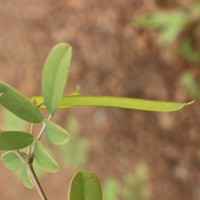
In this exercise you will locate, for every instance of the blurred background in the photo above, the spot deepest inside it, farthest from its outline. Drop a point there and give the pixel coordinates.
(134, 48)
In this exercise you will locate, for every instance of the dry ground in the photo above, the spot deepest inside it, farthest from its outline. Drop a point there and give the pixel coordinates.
(111, 57)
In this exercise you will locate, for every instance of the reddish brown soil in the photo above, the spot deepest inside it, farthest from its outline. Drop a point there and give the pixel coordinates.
(111, 57)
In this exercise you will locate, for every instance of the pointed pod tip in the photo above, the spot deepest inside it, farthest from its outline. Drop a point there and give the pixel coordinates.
(191, 102)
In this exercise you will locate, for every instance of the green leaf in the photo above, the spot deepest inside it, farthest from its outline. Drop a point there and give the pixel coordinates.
(43, 159)
(85, 186)
(18, 104)
(121, 102)
(14, 140)
(55, 75)
(55, 134)
(38, 170)
(26, 179)
(11, 161)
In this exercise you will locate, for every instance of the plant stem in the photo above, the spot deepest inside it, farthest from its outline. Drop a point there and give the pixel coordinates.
(20, 156)
(31, 132)
(36, 182)
(32, 174)
(43, 127)
(41, 131)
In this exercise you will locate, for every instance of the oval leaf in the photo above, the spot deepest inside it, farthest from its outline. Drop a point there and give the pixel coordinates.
(43, 159)
(55, 75)
(11, 161)
(121, 102)
(16, 103)
(55, 134)
(14, 140)
(26, 179)
(85, 186)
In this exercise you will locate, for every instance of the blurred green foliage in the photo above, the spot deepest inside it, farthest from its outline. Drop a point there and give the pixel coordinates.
(189, 82)
(11, 121)
(78, 146)
(180, 25)
(170, 24)
(134, 186)
(187, 51)
(111, 189)
(176, 25)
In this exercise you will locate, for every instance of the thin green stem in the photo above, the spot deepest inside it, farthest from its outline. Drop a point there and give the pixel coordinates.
(41, 131)
(20, 156)
(30, 146)
(43, 127)
(31, 128)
